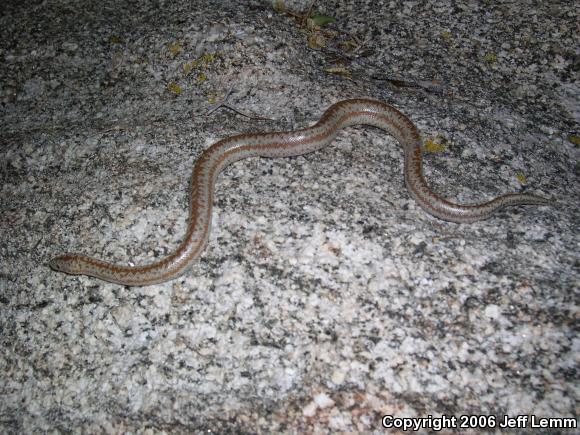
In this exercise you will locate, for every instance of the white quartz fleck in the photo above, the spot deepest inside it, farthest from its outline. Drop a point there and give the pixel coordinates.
(323, 401)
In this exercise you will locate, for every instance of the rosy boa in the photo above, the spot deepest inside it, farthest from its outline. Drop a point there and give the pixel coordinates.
(283, 144)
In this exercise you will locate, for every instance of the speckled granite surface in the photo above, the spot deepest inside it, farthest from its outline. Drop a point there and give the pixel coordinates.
(326, 298)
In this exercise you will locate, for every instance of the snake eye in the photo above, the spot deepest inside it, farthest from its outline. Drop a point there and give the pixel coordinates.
(56, 264)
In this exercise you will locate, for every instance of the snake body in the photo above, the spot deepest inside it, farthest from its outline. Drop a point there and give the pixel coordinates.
(284, 144)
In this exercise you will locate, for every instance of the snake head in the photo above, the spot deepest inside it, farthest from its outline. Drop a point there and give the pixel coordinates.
(66, 263)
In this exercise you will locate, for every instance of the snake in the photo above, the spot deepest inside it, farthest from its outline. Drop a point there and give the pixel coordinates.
(297, 142)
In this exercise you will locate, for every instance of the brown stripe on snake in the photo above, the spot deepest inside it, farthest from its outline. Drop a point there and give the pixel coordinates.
(285, 144)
